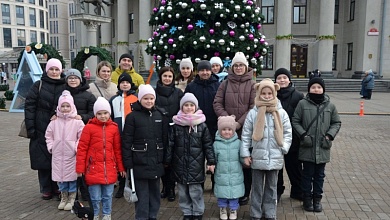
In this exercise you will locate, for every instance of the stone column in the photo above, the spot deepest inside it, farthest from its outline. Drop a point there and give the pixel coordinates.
(145, 31)
(91, 62)
(282, 48)
(325, 47)
(122, 27)
(105, 29)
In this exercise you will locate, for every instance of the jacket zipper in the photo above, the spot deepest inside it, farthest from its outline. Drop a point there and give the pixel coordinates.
(104, 152)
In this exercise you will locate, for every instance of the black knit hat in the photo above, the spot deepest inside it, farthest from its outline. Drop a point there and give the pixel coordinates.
(126, 55)
(125, 77)
(204, 64)
(282, 71)
(318, 80)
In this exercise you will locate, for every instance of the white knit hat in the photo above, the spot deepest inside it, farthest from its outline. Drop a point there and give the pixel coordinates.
(144, 90)
(216, 60)
(101, 104)
(186, 62)
(189, 97)
(240, 58)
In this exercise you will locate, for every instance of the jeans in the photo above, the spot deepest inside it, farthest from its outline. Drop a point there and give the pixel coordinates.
(191, 201)
(264, 196)
(231, 203)
(45, 183)
(70, 186)
(101, 193)
(148, 193)
(313, 179)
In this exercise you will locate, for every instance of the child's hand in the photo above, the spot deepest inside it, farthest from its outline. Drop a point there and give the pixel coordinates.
(211, 168)
(123, 174)
(77, 117)
(79, 174)
(54, 117)
(247, 161)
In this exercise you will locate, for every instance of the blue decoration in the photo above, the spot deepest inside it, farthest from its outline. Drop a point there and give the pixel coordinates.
(173, 29)
(226, 63)
(252, 29)
(200, 23)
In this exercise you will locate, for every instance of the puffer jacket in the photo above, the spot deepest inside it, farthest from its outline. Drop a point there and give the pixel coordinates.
(315, 148)
(144, 138)
(83, 100)
(187, 151)
(102, 88)
(39, 107)
(237, 98)
(228, 176)
(118, 103)
(99, 154)
(369, 81)
(62, 138)
(266, 154)
(168, 98)
(137, 78)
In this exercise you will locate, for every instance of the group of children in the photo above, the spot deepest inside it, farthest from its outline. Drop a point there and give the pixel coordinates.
(120, 138)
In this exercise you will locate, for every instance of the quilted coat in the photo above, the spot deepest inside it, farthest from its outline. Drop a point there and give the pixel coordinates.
(99, 154)
(168, 98)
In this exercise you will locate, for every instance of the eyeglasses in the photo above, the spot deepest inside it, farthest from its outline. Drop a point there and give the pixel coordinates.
(239, 65)
(73, 78)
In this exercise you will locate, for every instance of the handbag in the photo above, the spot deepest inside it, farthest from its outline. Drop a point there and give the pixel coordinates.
(129, 193)
(80, 210)
(23, 129)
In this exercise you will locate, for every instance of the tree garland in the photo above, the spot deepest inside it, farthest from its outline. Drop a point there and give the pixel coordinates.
(287, 37)
(47, 50)
(86, 52)
(326, 37)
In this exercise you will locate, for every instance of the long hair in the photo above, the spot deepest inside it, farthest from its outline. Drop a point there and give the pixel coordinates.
(101, 64)
(180, 77)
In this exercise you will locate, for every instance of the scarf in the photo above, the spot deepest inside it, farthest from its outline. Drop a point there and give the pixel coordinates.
(191, 120)
(317, 98)
(269, 107)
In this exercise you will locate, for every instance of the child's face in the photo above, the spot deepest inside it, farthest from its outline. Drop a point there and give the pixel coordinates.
(147, 101)
(125, 86)
(167, 78)
(316, 89)
(54, 72)
(215, 68)
(73, 81)
(105, 72)
(103, 115)
(65, 108)
(185, 72)
(283, 81)
(227, 133)
(188, 108)
(266, 94)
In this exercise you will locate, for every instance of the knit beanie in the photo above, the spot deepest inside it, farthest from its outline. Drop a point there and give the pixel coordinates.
(240, 58)
(267, 82)
(281, 71)
(73, 72)
(186, 62)
(216, 60)
(66, 97)
(126, 55)
(204, 65)
(189, 97)
(125, 77)
(144, 90)
(53, 62)
(314, 80)
(101, 104)
(226, 122)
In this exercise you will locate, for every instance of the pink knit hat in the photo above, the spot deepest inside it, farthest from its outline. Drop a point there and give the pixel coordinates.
(101, 104)
(66, 97)
(144, 90)
(226, 122)
(53, 62)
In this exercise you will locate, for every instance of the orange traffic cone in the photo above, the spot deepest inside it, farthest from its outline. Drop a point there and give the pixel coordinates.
(361, 113)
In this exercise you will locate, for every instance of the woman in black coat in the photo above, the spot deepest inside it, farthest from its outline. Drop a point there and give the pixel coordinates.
(40, 105)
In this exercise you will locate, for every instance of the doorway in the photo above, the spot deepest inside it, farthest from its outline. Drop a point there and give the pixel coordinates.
(298, 61)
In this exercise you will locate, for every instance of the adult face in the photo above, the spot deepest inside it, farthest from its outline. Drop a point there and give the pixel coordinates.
(147, 101)
(215, 68)
(54, 73)
(105, 72)
(167, 78)
(283, 81)
(316, 89)
(185, 72)
(126, 64)
(204, 74)
(73, 81)
(239, 68)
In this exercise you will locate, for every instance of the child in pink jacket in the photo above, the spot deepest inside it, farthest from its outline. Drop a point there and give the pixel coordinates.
(62, 136)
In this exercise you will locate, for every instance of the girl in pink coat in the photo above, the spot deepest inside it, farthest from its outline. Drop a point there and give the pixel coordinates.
(62, 136)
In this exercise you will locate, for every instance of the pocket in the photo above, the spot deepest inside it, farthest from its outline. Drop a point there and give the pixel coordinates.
(140, 156)
(306, 142)
(326, 143)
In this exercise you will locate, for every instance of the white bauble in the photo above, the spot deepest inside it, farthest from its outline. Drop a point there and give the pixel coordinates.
(243, 15)
(150, 39)
(212, 41)
(156, 18)
(188, 20)
(208, 12)
(242, 38)
(228, 49)
(192, 10)
(184, 5)
(208, 46)
(166, 24)
(150, 44)
(202, 38)
(165, 47)
(203, 6)
(217, 24)
(247, 24)
(221, 15)
(248, 7)
(184, 55)
(169, 8)
(154, 48)
(162, 8)
(177, 15)
(197, 60)
(159, 57)
(179, 28)
(195, 42)
(178, 61)
(205, 56)
(253, 60)
(237, 7)
(242, 26)
(221, 41)
(173, 45)
(169, 16)
(256, 40)
(160, 42)
(235, 15)
(181, 37)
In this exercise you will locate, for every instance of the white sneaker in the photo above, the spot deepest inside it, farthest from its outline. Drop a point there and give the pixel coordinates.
(223, 214)
(233, 214)
(106, 217)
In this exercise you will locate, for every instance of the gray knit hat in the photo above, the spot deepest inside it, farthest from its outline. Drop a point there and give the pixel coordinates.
(73, 72)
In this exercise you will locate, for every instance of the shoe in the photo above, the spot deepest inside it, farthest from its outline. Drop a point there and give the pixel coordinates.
(163, 193)
(243, 200)
(119, 193)
(233, 215)
(317, 204)
(47, 196)
(70, 203)
(64, 200)
(278, 197)
(197, 217)
(223, 214)
(106, 217)
(171, 195)
(308, 203)
(363, 97)
(187, 217)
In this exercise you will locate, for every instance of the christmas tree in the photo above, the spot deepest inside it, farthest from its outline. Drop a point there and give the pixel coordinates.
(201, 29)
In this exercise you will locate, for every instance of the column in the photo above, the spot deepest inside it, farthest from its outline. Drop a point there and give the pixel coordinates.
(122, 27)
(105, 29)
(91, 62)
(325, 46)
(145, 31)
(283, 28)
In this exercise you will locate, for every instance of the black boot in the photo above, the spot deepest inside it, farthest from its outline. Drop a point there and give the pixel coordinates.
(197, 217)
(121, 189)
(163, 193)
(171, 194)
(187, 217)
(317, 204)
(308, 203)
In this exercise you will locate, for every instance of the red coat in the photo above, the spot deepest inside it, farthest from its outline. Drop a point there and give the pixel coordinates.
(99, 153)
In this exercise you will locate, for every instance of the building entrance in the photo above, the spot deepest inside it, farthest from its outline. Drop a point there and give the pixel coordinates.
(298, 61)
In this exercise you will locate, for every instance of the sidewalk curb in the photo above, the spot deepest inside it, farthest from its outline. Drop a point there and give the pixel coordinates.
(370, 113)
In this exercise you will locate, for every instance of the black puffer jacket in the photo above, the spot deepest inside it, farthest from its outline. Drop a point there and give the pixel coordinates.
(186, 153)
(144, 137)
(83, 100)
(168, 98)
(38, 109)
(289, 97)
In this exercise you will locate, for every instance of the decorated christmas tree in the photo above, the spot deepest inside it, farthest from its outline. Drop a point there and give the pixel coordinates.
(201, 29)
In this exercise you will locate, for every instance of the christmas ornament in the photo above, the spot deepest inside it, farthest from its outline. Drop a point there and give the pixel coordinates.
(237, 7)
(172, 30)
(197, 60)
(200, 23)
(184, 5)
(190, 27)
(155, 10)
(195, 43)
(170, 41)
(165, 47)
(217, 24)
(211, 31)
(221, 41)
(203, 6)
(232, 33)
(188, 20)
(177, 15)
(224, 32)
(216, 54)
(251, 37)
(192, 10)
(242, 38)
(212, 41)
(208, 12)
(232, 24)
(202, 38)
(173, 45)
(205, 56)
(169, 8)
(163, 2)
(172, 57)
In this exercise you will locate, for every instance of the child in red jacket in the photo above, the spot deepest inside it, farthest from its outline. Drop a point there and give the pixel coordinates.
(99, 157)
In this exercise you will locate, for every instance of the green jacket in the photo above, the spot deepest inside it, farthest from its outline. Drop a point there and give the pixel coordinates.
(315, 147)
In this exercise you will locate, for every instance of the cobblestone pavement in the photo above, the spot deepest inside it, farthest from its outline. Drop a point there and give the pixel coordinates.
(356, 184)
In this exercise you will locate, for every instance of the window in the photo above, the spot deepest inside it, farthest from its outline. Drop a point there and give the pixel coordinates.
(7, 37)
(352, 10)
(299, 11)
(267, 9)
(19, 0)
(131, 23)
(71, 26)
(41, 19)
(33, 36)
(43, 37)
(269, 59)
(53, 27)
(19, 15)
(31, 2)
(71, 9)
(53, 11)
(5, 12)
(113, 28)
(334, 58)
(54, 42)
(349, 56)
(40, 2)
(336, 11)
(72, 42)
(33, 19)
(21, 37)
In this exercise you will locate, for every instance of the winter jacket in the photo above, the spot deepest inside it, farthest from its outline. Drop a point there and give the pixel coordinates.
(62, 138)
(205, 91)
(83, 100)
(144, 138)
(137, 78)
(117, 104)
(168, 98)
(228, 176)
(315, 147)
(102, 88)
(266, 154)
(99, 155)
(369, 81)
(289, 97)
(39, 107)
(187, 151)
(237, 98)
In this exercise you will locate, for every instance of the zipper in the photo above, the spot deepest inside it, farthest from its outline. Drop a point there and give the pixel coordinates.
(104, 152)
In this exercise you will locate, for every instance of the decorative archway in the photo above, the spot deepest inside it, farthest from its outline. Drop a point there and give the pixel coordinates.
(86, 52)
(47, 50)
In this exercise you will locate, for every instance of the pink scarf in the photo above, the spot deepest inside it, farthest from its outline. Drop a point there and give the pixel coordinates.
(191, 120)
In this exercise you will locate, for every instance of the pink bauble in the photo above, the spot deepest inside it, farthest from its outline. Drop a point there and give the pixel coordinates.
(190, 27)
(162, 28)
(257, 54)
(155, 33)
(232, 33)
(163, 2)
(258, 26)
(155, 57)
(249, 2)
(211, 31)
(262, 40)
(155, 10)
(216, 54)
(194, 1)
(172, 57)
(251, 37)
(170, 41)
